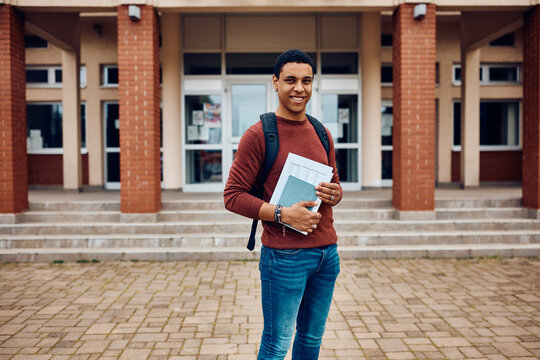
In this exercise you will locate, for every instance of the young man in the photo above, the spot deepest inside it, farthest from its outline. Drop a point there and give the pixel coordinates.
(298, 272)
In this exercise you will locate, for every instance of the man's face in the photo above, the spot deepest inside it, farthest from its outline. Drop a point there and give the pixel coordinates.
(294, 90)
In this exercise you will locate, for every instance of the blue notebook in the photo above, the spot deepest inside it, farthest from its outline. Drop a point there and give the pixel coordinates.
(296, 190)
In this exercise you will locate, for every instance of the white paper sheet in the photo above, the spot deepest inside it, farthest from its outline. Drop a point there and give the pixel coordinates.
(304, 169)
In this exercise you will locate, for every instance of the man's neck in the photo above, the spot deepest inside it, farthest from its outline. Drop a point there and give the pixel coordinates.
(300, 116)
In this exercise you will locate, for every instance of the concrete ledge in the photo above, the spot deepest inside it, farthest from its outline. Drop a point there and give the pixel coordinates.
(240, 253)
(139, 218)
(532, 213)
(10, 218)
(414, 215)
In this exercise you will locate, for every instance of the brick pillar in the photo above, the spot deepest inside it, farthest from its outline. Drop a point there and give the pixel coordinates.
(139, 101)
(531, 109)
(413, 61)
(13, 159)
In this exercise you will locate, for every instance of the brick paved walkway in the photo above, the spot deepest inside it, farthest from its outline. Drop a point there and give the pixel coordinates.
(384, 309)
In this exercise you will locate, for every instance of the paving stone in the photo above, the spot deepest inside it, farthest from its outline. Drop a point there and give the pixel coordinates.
(382, 309)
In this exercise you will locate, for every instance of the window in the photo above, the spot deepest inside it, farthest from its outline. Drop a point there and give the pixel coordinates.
(49, 76)
(502, 74)
(44, 76)
(202, 64)
(505, 40)
(386, 141)
(203, 119)
(339, 63)
(386, 75)
(499, 123)
(386, 40)
(492, 74)
(45, 126)
(253, 64)
(110, 76)
(35, 42)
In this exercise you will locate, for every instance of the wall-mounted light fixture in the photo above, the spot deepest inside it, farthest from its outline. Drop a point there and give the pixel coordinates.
(98, 29)
(420, 11)
(134, 13)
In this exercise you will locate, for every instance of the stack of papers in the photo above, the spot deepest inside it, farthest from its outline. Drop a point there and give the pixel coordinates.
(297, 182)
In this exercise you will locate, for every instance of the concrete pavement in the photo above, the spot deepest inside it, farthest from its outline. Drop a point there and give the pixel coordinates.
(383, 309)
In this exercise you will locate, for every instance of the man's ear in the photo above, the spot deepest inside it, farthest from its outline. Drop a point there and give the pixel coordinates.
(274, 82)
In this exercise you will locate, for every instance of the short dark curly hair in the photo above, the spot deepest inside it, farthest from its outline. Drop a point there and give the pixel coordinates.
(294, 56)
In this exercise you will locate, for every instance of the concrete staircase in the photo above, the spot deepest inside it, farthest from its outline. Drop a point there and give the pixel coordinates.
(203, 230)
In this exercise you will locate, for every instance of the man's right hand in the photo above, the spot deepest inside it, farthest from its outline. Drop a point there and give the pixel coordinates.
(300, 217)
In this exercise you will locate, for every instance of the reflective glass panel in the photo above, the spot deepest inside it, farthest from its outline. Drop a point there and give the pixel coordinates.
(339, 63)
(387, 164)
(340, 116)
(44, 126)
(203, 119)
(113, 166)
(347, 164)
(248, 102)
(112, 121)
(203, 166)
(202, 64)
(386, 122)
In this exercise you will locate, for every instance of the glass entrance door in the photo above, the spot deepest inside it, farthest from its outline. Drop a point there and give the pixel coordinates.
(248, 99)
(112, 146)
(213, 125)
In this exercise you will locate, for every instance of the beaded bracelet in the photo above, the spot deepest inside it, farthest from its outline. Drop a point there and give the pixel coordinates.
(277, 214)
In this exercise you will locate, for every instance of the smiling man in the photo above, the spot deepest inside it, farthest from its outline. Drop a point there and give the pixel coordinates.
(298, 272)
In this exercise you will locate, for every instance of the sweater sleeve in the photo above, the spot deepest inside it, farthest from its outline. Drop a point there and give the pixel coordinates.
(243, 175)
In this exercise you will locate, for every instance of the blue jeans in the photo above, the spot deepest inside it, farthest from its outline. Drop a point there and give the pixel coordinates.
(297, 286)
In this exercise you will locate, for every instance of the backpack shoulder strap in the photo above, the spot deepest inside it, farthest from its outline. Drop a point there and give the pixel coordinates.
(321, 131)
(271, 144)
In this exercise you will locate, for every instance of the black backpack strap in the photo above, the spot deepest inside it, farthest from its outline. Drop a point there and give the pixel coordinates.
(271, 143)
(321, 131)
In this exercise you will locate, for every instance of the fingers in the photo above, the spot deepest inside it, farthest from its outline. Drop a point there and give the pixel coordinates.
(329, 193)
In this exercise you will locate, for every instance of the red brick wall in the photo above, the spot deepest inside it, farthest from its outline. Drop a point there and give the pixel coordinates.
(48, 169)
(531, 109)
(413, 59)
(13, 166)
(499, 166)
(139, 97)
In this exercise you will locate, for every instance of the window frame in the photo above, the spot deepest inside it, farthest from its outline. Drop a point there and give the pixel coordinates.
(58, 150)
(517, 147)
(51, 76)
(484, 74)
(105, 76)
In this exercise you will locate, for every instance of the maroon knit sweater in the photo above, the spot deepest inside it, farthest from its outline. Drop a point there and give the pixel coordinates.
(298, 137)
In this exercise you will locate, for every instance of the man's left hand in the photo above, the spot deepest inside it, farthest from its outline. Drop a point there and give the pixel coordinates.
(329, 193)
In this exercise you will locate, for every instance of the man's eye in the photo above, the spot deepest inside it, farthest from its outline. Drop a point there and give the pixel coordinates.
(289, 81)
(307, 81)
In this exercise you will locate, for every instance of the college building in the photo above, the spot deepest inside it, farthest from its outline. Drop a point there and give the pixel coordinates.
(145, 96)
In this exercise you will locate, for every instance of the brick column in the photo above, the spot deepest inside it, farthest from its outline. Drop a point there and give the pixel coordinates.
(13, 158)
(413, 61)
(139, 97)
(531, 109)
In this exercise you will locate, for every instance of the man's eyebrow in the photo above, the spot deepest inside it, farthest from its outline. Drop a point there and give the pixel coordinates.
(294, 77)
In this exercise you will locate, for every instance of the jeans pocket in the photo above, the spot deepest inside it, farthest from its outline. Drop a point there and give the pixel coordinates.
(287, 252)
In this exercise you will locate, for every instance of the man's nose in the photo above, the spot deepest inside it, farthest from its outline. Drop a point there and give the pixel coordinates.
(298, 86)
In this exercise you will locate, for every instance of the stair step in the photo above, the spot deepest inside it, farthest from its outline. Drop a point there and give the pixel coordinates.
(232, 240)
(242, 226)
(240, 253)
(217, 204)
(212, 215)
